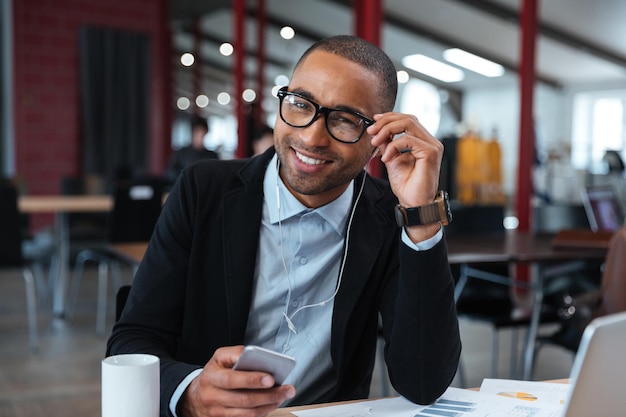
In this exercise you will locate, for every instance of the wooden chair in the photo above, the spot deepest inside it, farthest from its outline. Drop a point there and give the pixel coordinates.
(135, 212)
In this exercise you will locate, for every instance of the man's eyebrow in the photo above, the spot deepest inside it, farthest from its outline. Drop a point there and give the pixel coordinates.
(304, 94)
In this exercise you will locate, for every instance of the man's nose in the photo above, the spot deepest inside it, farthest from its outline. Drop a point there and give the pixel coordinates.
(316, 134)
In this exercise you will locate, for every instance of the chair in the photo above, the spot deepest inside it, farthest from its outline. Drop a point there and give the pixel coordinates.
(484, 292)
(570, 278)
(12, 255)
(135, 212)
(608, 298)
(85, 229)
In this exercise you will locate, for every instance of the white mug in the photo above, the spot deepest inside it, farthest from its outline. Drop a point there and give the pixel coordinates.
(130, 386)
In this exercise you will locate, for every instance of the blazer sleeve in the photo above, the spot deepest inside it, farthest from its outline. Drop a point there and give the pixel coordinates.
(423, 344)
(152, 317)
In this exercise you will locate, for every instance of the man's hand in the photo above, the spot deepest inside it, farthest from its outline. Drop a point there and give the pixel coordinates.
(221, 391)
(413, 160)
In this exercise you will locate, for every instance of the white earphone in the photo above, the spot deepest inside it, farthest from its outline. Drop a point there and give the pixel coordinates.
(289, 318)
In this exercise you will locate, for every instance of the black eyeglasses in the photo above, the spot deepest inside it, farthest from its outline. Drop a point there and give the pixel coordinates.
(343, 125)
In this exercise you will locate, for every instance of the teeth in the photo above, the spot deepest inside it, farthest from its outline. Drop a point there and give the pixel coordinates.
(308, 160)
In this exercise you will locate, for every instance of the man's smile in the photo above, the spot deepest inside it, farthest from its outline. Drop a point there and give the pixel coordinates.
(308, 160)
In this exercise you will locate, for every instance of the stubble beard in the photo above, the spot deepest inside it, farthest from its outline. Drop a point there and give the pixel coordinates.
(313, 184)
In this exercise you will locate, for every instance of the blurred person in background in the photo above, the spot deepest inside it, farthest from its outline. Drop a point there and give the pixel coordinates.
(191, 153)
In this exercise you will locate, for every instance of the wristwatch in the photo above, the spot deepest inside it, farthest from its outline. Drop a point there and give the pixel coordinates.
(438, 211)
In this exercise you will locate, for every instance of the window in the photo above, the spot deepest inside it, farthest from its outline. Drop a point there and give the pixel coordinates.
(598, 126)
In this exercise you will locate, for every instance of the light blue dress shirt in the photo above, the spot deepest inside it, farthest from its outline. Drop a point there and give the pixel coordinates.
(297, 269)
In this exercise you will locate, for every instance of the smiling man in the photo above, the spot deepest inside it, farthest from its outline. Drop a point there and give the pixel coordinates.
(300, 251)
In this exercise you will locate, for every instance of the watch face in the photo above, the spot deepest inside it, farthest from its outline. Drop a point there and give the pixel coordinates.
(444, 205)
(400, 217)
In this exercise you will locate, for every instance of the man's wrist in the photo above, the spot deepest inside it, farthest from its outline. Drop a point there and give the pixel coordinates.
(424, 239)
(178, 397)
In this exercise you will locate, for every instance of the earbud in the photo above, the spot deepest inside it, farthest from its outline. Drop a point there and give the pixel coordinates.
(374, 153)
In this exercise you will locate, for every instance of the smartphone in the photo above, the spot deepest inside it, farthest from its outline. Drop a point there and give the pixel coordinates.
(256, 358)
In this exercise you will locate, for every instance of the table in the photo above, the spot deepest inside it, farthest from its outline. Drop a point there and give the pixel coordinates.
(131, 252)
(59, 205)
(520, 248)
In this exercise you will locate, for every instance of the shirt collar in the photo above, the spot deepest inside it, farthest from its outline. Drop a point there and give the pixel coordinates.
(335, 213)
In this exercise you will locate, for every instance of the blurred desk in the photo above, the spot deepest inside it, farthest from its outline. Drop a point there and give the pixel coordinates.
(520, 248)
(59, 205)
(130, 252)
(64, 204)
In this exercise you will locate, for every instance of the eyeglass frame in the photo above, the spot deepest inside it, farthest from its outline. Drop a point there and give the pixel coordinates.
(283, 92)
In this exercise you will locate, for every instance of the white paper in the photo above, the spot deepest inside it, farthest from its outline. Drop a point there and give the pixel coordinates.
(536, 392)
(454, 402)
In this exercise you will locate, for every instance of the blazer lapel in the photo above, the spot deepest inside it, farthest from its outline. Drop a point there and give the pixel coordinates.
(369, 232)
(242, 219)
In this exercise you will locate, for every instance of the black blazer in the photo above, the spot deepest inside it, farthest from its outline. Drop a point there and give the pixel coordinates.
(192, 292)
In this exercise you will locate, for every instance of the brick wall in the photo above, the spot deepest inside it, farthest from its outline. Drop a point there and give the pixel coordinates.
(46, 96)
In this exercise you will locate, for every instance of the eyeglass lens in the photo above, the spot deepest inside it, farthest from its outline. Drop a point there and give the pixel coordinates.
(301, 112)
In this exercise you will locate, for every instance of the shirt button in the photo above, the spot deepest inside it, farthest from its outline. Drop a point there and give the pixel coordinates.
(295, 304)
(303, 261)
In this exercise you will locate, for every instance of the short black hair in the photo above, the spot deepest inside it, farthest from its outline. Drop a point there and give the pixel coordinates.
(200, 122)
(261, 130)
(366, 54)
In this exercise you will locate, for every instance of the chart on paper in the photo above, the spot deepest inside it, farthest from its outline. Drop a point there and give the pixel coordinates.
(450, 408)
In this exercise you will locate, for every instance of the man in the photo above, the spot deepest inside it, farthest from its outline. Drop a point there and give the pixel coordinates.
(299, 252)
(191, 153)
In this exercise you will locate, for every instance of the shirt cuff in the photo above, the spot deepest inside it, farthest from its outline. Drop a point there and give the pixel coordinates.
(181, 389)
(425, 244)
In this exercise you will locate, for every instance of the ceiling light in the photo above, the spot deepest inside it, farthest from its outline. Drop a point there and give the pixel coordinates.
(433, 68)
(183, 103)
(287, 32)
(187, 59)
(473, 62)
(249, 95)
(202, 101)
(226, 49)
(223, 98)
(281, 80)
(403, 76)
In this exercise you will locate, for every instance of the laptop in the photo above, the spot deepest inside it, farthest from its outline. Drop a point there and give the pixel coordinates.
(598, 376)
(603, 208)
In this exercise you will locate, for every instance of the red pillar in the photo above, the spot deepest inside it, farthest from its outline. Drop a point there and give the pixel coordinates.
(161, 106)
(527, 127)
(197, 65)
(368, 19)
(261, 18)
(239, 6)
